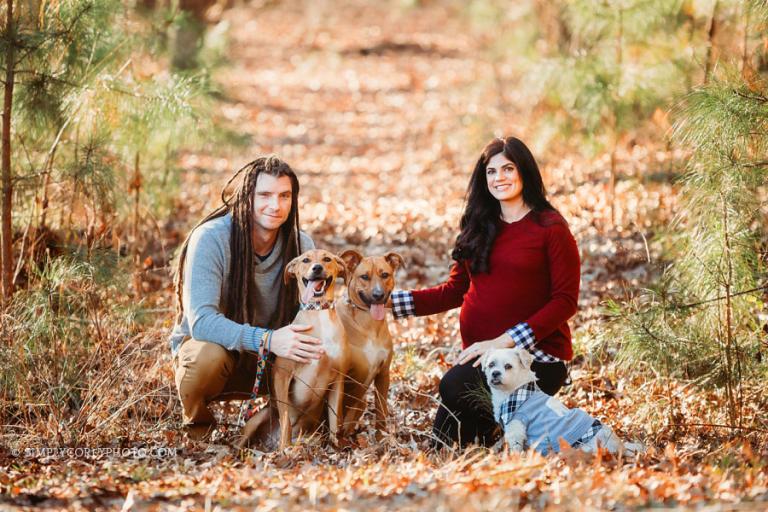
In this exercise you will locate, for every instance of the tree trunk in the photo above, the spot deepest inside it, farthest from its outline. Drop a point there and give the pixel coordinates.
(711, 42)
(733, 352)
(135, 187)
(745, 44)
(615, 117)
(7, 226)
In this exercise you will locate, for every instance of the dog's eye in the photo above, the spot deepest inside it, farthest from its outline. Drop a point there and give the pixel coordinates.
(384, 275)
(491, 364)
(365, 277)
(326, 259)
(305, 260)
(507, 366)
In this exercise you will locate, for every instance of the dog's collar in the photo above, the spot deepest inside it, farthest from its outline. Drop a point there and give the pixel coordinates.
(516, 400)
(316, 306)
(349, 301)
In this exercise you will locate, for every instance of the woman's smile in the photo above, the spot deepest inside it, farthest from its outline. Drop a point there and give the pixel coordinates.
(503, 179)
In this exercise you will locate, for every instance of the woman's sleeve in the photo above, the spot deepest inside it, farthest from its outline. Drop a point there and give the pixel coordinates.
(204, 274)
(437, 299)
(565, 274)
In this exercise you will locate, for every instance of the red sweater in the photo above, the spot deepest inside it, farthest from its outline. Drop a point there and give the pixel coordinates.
(533, 277)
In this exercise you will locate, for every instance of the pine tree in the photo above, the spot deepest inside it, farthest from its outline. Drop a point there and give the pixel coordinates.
(701, 321)
(87, 116)
(615, 63)
(95, 122)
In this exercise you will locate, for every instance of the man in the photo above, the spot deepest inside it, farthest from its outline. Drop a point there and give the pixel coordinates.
(233, 305)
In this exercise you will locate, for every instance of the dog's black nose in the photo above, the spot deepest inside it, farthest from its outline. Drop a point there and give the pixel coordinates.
(317, 268)
(496, 374)
(377, 293)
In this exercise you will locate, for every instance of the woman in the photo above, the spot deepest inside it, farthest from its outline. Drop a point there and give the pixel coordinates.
(516, 278)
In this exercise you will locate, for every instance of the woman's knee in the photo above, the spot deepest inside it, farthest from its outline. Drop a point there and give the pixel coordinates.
(457, 383)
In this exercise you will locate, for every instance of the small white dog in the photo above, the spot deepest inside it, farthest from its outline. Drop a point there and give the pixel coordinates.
(531, 418)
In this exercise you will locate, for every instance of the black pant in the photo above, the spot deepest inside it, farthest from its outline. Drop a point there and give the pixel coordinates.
(466, 413)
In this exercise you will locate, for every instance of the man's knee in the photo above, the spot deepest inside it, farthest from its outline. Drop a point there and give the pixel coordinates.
(202, 370)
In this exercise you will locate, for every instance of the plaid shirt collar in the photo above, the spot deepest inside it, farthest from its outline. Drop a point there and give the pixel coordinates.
(515, 401)
(317, 306)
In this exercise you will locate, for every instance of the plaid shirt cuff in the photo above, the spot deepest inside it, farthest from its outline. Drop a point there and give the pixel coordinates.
(523, 336)
(402, 304)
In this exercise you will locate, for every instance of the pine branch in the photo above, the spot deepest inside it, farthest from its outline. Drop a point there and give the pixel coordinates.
(49, 36)
(754, 165)
(760, 98)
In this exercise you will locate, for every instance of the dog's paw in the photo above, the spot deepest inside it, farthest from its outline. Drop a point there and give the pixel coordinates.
(632, 449)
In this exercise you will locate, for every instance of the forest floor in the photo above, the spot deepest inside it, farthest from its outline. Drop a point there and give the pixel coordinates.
(382, 111)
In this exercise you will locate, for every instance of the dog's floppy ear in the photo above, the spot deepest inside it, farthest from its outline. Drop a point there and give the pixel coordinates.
(395, 260)
(342, 267)
(484, 358)
(351, 259)
(290, 269)
(525, 357)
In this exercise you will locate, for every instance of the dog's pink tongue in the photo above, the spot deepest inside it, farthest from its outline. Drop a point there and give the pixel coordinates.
(309, 291)
(377, 311)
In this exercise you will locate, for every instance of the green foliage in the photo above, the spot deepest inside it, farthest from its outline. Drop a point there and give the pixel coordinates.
(726, 121)
(91, 99)
(701, 321)
(619, 62)
(74, 367)
(88, 100)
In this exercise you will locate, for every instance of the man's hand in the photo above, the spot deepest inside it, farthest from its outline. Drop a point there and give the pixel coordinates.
(289, 342)
(476, 350)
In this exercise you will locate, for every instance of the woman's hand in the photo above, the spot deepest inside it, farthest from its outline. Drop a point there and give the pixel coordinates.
(288, 342)
(476, 350)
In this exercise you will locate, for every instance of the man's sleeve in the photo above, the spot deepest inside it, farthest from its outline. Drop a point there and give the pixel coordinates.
(204, 274)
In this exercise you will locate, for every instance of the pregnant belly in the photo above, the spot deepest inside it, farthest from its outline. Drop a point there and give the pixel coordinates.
(488, 319)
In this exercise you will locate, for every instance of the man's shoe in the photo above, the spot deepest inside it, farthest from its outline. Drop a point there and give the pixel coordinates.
(199, 431)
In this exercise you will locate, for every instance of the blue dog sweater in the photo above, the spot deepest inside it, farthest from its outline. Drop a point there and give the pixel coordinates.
(546, 419)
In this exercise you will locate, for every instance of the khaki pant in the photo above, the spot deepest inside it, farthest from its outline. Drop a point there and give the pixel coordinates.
(206, 372)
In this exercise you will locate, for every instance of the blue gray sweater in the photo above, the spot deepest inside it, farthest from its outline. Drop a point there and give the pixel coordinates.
(546, 419)
(205, 280)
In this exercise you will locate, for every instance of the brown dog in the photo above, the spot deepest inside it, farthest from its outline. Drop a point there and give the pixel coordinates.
(303, 392)
(370, 283)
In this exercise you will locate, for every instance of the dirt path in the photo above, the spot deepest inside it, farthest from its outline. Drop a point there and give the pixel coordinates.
(382, 110)
(367, 103)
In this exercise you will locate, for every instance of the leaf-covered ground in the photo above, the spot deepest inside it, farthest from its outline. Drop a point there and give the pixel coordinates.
(382, 111)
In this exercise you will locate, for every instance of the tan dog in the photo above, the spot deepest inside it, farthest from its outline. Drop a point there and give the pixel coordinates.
(306, 393)
(369, 286)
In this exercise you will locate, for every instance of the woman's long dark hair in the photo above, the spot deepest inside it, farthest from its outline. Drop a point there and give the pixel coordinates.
(239, 303)
(480, 220)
